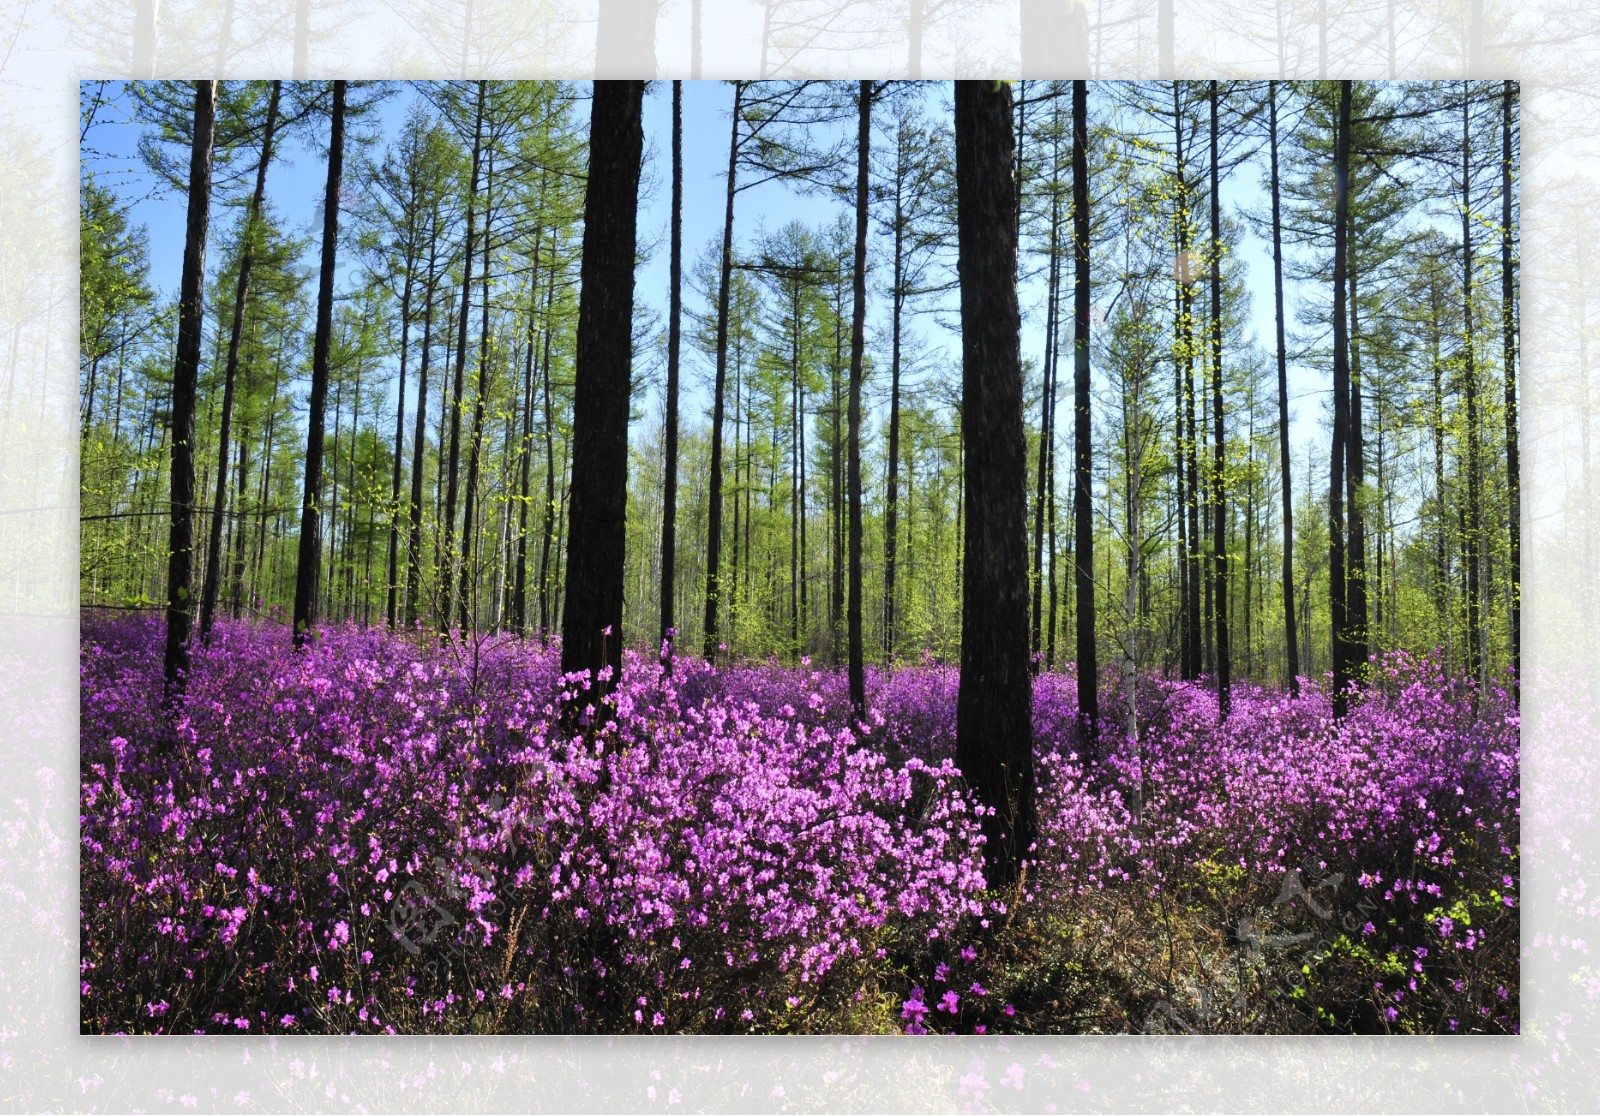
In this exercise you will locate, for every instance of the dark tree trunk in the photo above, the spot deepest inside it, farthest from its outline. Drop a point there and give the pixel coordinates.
(591, 630)
(393, 602)
(891, 514)
(1046, 424)
(1508, 332)
(1219, 505)
(241, 294)
(1356, 598)
(1472, 535)
(714, 526)
(310, 556)
(858, 329)
(185, 371)
(1082, 488)
(548, 530)
(994, 729)
(1341, 406)
(414, 506)
(466, 601)
(1193, 640)
(669, 499)
(519, 589)
(452, 483)
(1290, 635)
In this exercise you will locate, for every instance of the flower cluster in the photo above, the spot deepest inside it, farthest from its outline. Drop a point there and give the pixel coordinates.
(388, 834)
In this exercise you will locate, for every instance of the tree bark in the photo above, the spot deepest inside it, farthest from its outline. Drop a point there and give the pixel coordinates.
(1508, 332)
(994, 732)
(185, 372)
(1341, 406)
(452, 484)
(719, 391)
(1290, 634)
(858, 328)
(591, 630)
(213, 575)
(310, 555)
(1219, 505)
(1083, 482)
(669, 500)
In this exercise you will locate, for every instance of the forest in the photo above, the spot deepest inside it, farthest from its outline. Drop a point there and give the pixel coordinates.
(769, 640)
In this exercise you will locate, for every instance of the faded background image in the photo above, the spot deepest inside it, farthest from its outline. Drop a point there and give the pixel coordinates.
(46, 49)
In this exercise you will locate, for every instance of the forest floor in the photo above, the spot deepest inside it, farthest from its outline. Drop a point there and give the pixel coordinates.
(383, 835)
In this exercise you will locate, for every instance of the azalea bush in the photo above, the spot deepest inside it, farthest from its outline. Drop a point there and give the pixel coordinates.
(389, 834)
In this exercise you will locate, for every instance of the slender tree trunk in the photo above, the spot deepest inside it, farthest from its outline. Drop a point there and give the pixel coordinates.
(1219, 497)
(669, 500)
(305, 593)
(1472, 550)
(1046, 414)
(1508, 333)
(1341, 406)
(393, 603)
(418, 437)
(213, 575)
(1290, 635)
(994, 731)
(591, 629)
(452, 489)
(1082, 445)
(185, 372)
(466, 606)
(891, 515)
(1189, 440)
(858, 328)
(1355, 514)
(550, 509)
(714, 526)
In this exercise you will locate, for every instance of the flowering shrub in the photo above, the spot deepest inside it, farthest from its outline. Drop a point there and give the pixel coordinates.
(386, 835)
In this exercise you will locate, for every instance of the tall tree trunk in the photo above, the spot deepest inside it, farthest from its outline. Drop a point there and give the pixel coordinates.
(1290, 635)
(1472, 549)
(1356, 596)
(669, 500)
(1082, 444)
(1219, 498)
(714, 525)
(549, 526)
(418, 437)
(591, 629)
(310, 556)
(519, 589)
(466, 600)
(185, 371)
(452, 484)
(393, 603)
(1046, 415)
(1508, 333)
(241, 294)
(1189, 438)
(891, 514)
(858, 329)
(1341, 405)
(994, 729)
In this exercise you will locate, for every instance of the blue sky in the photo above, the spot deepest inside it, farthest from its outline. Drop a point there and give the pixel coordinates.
(295, 183)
